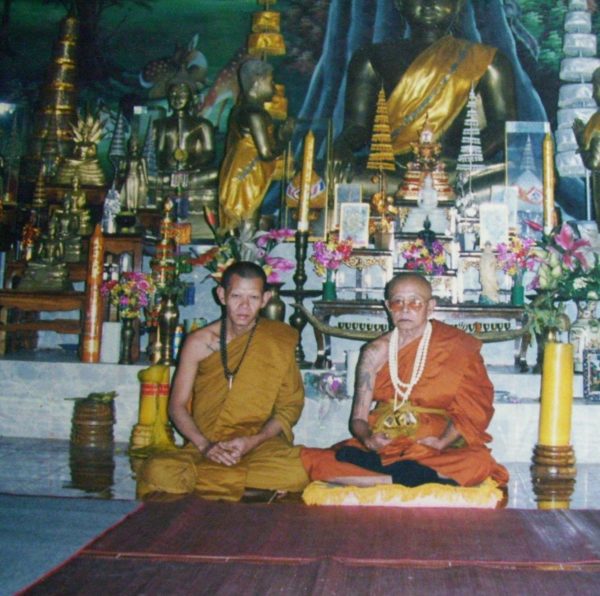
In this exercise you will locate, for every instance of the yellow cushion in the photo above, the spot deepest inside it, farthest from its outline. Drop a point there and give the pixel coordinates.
(485, 496)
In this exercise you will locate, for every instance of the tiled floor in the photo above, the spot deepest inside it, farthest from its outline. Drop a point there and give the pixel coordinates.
(50, 468)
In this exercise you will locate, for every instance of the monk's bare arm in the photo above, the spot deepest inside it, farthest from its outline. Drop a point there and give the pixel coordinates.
(197, 346)
(372, 358)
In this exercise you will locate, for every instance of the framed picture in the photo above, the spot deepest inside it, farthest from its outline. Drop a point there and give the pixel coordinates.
(493, 224)
(354, 223)
(524, 169)
(591, 375)
(344, 193)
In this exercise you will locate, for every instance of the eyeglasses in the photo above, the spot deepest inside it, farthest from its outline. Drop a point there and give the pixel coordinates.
(411, 303)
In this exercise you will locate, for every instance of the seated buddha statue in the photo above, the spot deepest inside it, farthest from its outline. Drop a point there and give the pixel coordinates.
(80, 208)
(47, 270)
(185, 144)
(427, 75)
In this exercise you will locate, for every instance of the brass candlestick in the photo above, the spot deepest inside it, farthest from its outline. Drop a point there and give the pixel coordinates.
(297, 319)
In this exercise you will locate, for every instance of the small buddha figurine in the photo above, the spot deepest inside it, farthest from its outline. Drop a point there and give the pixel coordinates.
(31, 233)
(80, 208)
(488, 266)
(185, 143)
(47, 271)
(68, 231)
(134, 190)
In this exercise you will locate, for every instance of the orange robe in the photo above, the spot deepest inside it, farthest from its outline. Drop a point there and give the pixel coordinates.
(454, 380)
(267, 385)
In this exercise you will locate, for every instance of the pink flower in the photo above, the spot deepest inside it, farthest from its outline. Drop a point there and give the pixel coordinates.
(571, 249)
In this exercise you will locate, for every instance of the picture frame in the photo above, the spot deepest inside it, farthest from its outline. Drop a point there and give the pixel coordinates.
(354, 223)
(493, 224)
(524, 169)
(591, 375)
(344, 193)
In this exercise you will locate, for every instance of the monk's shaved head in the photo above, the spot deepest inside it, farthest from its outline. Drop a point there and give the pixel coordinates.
(414, 278)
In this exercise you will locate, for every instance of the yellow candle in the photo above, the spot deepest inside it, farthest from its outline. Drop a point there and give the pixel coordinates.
(549, 181)
(557, 395)
(92, 326)
(307, 167)
(149, 382)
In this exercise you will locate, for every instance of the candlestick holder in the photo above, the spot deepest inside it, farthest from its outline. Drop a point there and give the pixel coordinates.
(553, 474)
(297, 319)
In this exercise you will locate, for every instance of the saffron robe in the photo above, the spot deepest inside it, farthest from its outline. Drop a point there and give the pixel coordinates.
(267, 385)
(435, 87)
(244, 178)
(454, 380)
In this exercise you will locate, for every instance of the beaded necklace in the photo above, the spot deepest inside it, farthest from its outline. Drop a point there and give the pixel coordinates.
(230, 374)
(403, 390)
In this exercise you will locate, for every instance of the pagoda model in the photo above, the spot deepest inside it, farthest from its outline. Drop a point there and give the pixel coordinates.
(381, 156)
(266, 40)
(117, 150)
(470, 157)
(426, 163)
(58, 108)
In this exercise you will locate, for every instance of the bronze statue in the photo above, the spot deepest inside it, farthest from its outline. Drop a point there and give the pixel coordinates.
(185, 145)
(68, 225)
(428, 75)
(134, 191)
(588, 139)
(253, 149)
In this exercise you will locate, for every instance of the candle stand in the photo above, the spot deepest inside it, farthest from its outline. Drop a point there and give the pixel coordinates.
(553, 474)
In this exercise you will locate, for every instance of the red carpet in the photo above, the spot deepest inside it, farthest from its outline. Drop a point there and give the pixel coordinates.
(197, 547)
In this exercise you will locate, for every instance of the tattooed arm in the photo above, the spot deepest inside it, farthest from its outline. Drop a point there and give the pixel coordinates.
(197, 346)
(372, 358)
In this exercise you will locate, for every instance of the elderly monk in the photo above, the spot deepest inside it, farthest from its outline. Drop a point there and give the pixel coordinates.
(426, 77)
(240, 378)
(433, 403)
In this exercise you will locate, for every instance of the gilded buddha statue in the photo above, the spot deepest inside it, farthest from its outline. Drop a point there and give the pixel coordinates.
(84, 163)
(47, 270)
(253, 150)
(427, 75)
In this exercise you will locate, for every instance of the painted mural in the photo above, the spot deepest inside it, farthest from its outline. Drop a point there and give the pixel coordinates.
(129, 50)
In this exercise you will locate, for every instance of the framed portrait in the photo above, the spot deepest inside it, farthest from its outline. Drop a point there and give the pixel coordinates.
(354, 223)
(591, 375)
(493, 224)
(344, 193)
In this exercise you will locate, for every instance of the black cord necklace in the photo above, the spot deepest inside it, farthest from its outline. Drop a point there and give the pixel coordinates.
(230, 374)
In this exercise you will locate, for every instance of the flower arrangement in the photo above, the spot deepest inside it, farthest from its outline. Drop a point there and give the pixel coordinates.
(567, 266)
(256, 247)
(131, 294)
(329, 256)
(516, 256)
(419, 257)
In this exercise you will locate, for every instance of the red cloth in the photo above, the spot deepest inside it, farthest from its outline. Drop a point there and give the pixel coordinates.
(455, 380)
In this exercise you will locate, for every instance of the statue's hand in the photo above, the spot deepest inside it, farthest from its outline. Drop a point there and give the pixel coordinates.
(578, 128)
(286, 129)
(344, 164)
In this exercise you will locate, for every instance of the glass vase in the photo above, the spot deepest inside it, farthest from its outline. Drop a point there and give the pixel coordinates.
(517, 292)
(127, 334)
(329, 287)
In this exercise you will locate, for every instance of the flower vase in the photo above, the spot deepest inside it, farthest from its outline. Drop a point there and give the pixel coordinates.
(517, 292)
(329, 289)
(127, 334)
(585, 331)
(274, 309)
